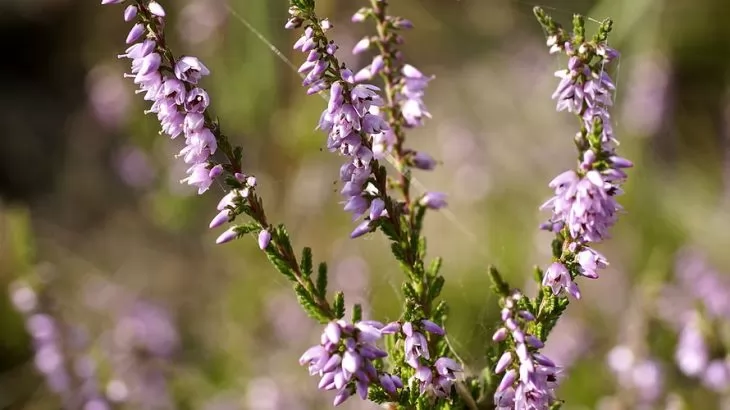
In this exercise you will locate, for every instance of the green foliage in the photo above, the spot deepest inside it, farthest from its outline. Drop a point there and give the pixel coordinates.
(321, 285)
(310, 305)
(338, 305)
(280, 263)
(435, 289)
(247, 228)
(499, 285)
(303, 5)
(305, 263)
(356, 313)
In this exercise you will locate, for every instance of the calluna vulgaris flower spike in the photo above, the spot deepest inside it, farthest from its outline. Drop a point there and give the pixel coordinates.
(351, 120)
(528, 383)
(584, 206)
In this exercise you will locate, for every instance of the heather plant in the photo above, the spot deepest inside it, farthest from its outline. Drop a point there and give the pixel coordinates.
(367, 114)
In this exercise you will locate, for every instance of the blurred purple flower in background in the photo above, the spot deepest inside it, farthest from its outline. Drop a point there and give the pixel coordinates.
(199, 20)
(61, 352)
(643, 376)
(141, 344)
(134, 167)
(697, 305)
(108, 96)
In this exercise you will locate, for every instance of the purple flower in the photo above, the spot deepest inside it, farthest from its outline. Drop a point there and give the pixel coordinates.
(176, 101)
(130, 12)
(692, 352)
(135, 33)
(413, 85)
(361, 46)
(344, 360)
(437, 377)
(557, 277)
(155, 8)
(227, 236)
(421, 160)
(190, 69)
(590, 261)
(351, 120)
(532, 384)
(585, 205)
(433, 200)
(264, 238)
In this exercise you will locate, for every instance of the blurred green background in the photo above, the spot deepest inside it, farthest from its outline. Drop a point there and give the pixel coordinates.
(93, 216)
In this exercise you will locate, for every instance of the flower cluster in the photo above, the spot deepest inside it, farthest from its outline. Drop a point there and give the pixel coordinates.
(438, 377)
(352, 121)
(584, 207)
(410, 83)
(531, 384)
(587, 262)
(344, 359)
(172, 87)
(406, 84)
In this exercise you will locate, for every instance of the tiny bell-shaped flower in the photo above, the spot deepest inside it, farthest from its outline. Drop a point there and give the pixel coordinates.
(130, 12)
(433, 200)
(190, 69)
(135, 33)
(432, 327)
(557, 277)
(503, 362)
(156, 9)
(227, 236)
(423, 161)
(264, 238)
(500, 335)
(361, 46)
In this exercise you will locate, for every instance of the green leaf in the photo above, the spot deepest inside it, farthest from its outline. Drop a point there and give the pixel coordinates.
(421, 249)
(282, 237)
(280, 264)
(579, 28)
(339, 305)
(247, 228)
(305, 264)
(389, 230)
(441, 312)
(499, 285)
(436, 286)
(557, 248)
(603, 30)
(321, 286)
(546, 21)
(238, 154)
(409, 292)
(435, 267)
(356, 313)
(304, 5)
(377, 395)
(309, 305)
(418, 220)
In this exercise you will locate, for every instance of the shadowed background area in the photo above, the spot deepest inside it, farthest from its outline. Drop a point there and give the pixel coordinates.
(96, 228)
